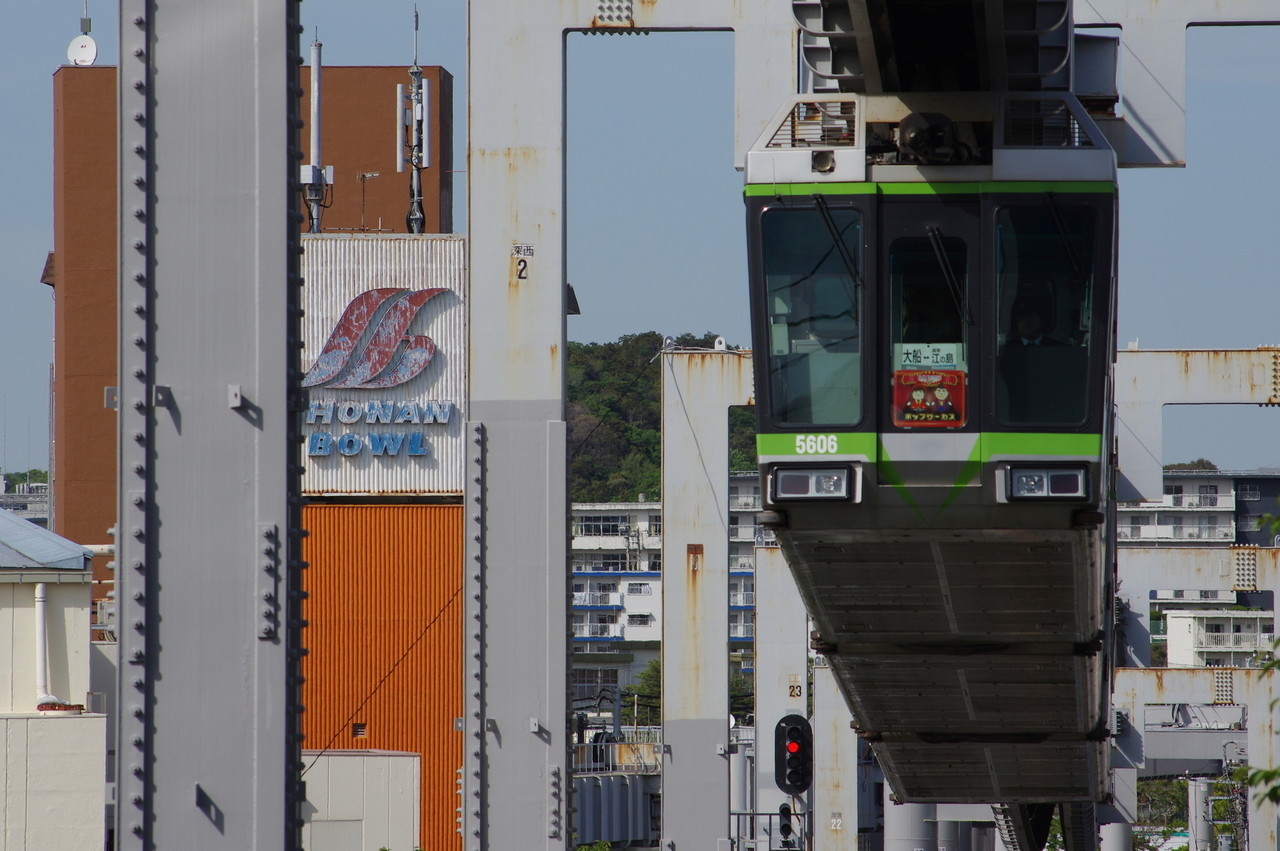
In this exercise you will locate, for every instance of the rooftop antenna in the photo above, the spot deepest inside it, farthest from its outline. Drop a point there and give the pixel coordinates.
(315, 177)
(364, 177)
(415, 219)
(83, 50)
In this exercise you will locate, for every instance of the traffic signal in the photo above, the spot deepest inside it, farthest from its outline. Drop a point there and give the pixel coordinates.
(784, 821)
(793, 754)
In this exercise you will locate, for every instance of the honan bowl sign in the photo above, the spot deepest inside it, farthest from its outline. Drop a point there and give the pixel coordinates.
(384, 359)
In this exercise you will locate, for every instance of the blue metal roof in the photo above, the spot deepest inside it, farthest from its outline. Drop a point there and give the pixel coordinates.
(24, 545)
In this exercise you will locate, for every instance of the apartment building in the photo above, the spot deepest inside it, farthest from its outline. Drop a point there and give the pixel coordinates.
(1227, 620)
(616, 613)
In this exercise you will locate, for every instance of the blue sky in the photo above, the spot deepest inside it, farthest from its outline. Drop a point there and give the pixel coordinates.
(655, 228)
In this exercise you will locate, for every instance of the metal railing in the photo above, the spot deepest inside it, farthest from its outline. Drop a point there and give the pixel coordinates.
(597, 630)
(1176, 533)
(742, 630)
(625, 757)
(597, 598)
(742, 598)
(1234, 640)
(1199, 501)
(742, 533)
(744, 502)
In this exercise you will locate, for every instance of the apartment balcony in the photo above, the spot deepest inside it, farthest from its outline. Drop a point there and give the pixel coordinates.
(742, 631)
(1180, 596)
(742, 599)
(597, 599)
(1191, 534)
(597, 630)
(742, 533)
(1184, 501)
(742, 565)
(1244, 641)
(744, 503)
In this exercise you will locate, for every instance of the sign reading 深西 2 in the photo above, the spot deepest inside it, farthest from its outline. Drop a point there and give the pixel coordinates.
(384, 363)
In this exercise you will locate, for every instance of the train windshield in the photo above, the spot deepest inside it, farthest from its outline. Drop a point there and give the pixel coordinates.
(929, 328)
(813, 292)
(1044, 302)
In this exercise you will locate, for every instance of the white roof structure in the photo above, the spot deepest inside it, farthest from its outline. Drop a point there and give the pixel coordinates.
(26, 546)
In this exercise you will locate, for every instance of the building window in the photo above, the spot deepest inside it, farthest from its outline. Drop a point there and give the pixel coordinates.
(1250, 523)
(639, 620)
(655, 524)
(605, 524)
(1248, 493)
(639, 589)
(655, 562)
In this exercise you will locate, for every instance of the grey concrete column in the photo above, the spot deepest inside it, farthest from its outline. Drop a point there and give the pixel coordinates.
(1117, 836)
(840, 783)
(909, 827)
(1199, 816)
(782, 662)
(697, 390)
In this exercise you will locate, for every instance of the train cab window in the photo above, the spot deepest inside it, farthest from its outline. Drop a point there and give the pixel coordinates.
(928, 330)
(813, 293)
(1044, 295)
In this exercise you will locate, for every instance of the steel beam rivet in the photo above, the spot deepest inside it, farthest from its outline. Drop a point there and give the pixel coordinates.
(139, 309)
(138, 712)
(139, 21)
(140, 150)
(140, 277)
(138, 741)
(139, 341)
(139, 84)
(138, 532)
(139, 117)
(139, 626)
(139, 437)
(139, 683)
(139, 181)
(138, 656)
(139, 469)
(137, 771)
(139, 52)
(137, 564)
(138, 596)
(139, 213)
(140, 245)
(139, 373)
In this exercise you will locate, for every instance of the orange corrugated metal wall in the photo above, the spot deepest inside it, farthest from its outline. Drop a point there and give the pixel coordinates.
(384, 582)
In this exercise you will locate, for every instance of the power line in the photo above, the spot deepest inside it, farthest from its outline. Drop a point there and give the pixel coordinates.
(385, 677)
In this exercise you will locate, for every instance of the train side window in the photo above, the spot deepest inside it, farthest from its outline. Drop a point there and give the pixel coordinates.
(1044, 296)
(928, 330)
(813, 293)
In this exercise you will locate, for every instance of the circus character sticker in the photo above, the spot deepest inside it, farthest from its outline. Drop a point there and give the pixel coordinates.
(929, 399)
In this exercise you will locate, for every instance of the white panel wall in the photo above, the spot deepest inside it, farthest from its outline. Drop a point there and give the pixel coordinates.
(52, 792)
(361, 800)
(67, 622)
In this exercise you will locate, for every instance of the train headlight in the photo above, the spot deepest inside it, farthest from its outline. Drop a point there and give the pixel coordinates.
(1047, 484)
(809, 483)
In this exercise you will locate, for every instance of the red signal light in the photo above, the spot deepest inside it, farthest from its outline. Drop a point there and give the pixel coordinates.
(793, 747)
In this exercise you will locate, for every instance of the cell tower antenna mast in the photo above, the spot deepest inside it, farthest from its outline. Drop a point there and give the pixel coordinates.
(415, 218)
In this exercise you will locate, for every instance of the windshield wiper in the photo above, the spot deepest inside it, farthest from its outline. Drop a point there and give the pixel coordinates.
(843, 250)
(948, 274)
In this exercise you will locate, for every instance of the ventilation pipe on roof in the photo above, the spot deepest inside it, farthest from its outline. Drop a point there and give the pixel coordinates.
(42, 652)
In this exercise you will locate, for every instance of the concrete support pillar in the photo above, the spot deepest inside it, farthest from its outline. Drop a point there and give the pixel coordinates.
(1117, 836)
(1199, 816)
(909, 827)
(982, 837)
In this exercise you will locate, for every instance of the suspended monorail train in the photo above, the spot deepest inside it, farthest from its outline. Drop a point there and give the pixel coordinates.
(933, 316)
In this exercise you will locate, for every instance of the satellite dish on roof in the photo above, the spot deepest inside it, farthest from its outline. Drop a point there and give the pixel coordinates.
(83, 50)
